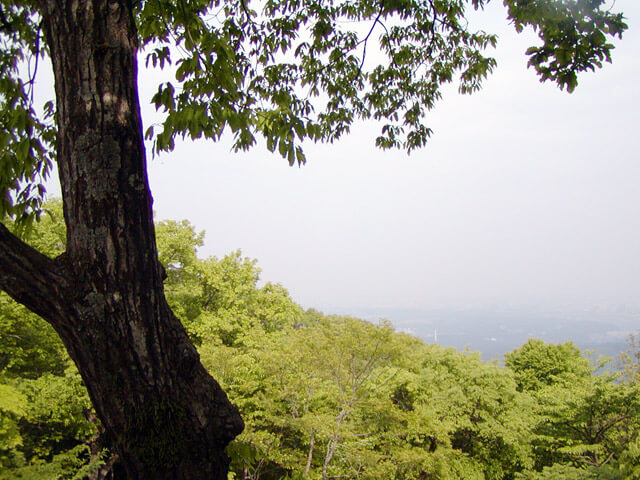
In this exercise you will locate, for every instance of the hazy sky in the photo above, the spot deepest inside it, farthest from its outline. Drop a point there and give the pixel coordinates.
(525, 196)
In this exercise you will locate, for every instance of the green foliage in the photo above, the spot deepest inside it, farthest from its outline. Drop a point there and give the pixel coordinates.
(291, 71)
(55, 418)
(589, 424)
(586, 423)
(177, 246)
(630, 360)
(219, 300)
(235, 310)
(26, 137)
(70, 465)
(305, 393)
(573, 33)
(339, 397)
(44, 431)
(324, 396)
(568, 472)
(29, 347)
(12, 405)
(485, 416)
(537, 364)
(629, 462)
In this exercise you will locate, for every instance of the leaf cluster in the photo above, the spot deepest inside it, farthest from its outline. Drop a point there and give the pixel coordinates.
(574, 35)
(290, 71)
(27, 136)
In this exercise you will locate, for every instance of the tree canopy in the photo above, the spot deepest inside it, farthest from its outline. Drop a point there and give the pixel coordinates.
(325, 396)
(291, 71)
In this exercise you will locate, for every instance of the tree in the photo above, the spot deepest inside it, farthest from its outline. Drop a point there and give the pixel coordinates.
(289, 71)
(306, 393)
(12, 405)
(538, 364)
(586, 422)
(630, 359)
(336, 397)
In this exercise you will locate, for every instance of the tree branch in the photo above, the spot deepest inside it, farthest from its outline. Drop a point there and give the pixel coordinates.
(31, 278)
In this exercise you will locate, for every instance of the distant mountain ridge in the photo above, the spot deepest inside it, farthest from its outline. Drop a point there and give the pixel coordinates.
(496, 332)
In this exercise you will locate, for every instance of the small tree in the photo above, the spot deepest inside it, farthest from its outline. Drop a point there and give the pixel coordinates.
(630, 359)
(538, 364)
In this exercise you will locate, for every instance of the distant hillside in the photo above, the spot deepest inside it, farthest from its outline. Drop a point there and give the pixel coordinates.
(496, 332)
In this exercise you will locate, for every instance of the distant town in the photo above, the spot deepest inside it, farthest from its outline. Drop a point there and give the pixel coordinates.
(494, 332)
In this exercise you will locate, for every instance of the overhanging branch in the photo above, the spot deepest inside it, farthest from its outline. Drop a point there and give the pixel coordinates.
(31, 278)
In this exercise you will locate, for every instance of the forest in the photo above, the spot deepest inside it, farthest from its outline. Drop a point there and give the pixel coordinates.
(326, 397)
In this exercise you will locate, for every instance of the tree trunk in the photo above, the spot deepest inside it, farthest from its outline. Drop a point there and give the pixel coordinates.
(307, 467)
(167, 418)
(332, 444)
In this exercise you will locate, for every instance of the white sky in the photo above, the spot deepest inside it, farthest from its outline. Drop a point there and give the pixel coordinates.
(525, 196)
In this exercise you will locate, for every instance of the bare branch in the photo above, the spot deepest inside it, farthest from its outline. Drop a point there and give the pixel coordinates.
(366, 39)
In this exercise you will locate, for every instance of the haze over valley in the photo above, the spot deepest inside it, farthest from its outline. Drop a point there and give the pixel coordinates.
(496, 331)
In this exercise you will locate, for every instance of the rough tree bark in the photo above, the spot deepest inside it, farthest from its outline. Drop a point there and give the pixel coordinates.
(167, 418)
